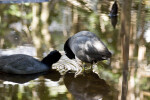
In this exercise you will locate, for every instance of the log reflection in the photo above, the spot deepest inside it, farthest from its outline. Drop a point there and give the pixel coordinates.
(125, 33)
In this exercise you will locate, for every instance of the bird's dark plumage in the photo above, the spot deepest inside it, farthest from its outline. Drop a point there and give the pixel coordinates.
(68, 50)
(51, 58)
(87, 47)
(24, 64)
(114, 10)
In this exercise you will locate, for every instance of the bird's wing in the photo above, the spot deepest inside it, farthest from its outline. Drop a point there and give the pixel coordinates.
(78, 44)
(18, 64)
(87, 44)
(88, 48)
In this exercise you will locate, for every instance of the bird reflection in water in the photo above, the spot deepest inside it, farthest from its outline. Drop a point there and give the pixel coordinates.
(53, 75)
(114, 21)
(86, 87)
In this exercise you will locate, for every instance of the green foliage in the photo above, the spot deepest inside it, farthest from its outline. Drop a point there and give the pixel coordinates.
(145, 84)
(20, 11)
(14, 11)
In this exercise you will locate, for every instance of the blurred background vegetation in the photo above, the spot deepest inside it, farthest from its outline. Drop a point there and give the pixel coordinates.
(37, 28)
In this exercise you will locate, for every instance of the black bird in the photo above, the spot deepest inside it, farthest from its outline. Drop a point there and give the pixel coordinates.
(114, 21)
(24, 64)
(87, 87)
(114, 10)
(87, 47)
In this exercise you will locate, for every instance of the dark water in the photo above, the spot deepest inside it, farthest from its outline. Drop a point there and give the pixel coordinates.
(37, 28)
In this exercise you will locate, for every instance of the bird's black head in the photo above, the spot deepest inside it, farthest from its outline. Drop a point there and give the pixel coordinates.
(107, 54)
(51, 58)
(68, 51)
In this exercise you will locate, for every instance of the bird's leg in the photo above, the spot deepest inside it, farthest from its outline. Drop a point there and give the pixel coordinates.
(79, 62)
(83, 66)
(93, 65)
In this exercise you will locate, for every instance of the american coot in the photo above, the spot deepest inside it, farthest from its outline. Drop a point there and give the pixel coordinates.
(24, 64)
(87, 47)
(114, 10)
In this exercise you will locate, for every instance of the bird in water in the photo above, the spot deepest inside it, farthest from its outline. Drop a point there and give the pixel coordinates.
(114, 10)
(87, 47)
(24, 64)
